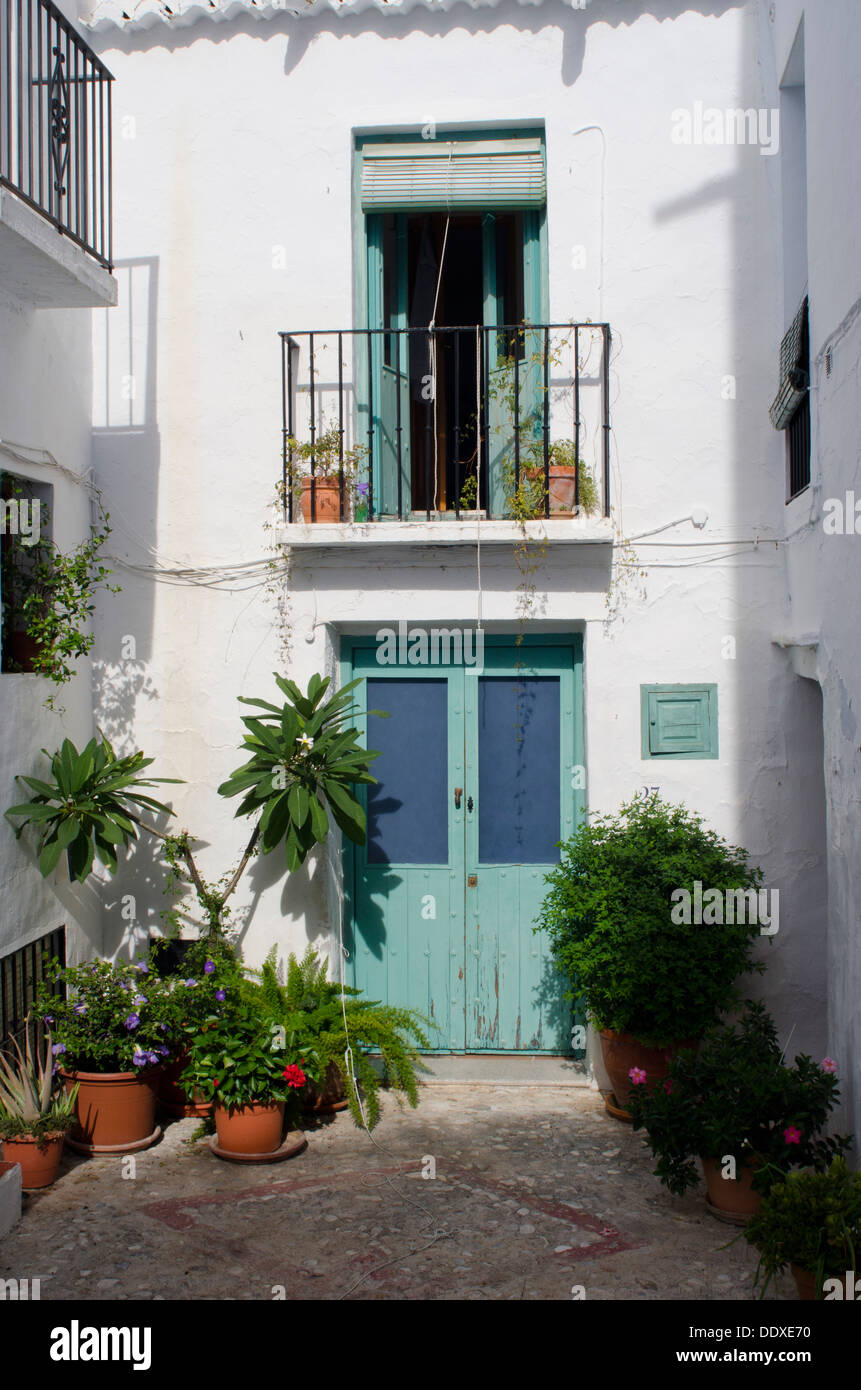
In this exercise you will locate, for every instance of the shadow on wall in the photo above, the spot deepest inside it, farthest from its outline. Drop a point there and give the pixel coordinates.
(126, 459)
(573, 21)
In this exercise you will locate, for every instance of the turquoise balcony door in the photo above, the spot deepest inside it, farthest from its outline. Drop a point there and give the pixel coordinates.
(452, 234)
(475, 789)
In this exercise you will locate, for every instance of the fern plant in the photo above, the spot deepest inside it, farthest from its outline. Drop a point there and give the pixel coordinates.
(311, 1006)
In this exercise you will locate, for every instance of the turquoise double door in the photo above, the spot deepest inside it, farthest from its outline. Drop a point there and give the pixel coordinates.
(479, 778)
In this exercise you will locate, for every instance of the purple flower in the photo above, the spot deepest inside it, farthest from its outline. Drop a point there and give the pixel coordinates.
(209, 967)
(132, 1021)
(58, 1048)
(362, 488)
(163, 1051)
(143, 967)
(140, 999)
(152, 1057)
(79, 1009)
(163, 1027)
(49, 1018)
(190, 984)
(220, 994)
(140, 1059)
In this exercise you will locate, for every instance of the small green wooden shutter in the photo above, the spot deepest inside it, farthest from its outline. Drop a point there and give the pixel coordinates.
(454, 174)
(679, 721)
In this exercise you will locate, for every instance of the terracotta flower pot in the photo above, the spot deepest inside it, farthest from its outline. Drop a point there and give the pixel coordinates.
(39, 1158)
(323, 1100)
(561, 486)
(115, 1110)
(173, 1097)
(249, 1129)
(732, 1197)
(805, 1283)
(327, 499)
(622, 1052)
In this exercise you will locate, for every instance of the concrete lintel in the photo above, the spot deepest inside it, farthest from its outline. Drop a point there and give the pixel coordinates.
(43, 268)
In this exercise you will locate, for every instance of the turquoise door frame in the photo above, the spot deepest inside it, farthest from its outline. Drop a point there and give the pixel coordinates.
(450, 934)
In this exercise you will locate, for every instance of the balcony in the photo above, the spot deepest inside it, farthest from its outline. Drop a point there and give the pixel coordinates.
(55, 160)
(445, 429)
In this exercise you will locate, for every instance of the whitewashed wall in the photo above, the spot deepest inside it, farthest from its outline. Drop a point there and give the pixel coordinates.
(45, 389)
(822, 569)
(233, 141)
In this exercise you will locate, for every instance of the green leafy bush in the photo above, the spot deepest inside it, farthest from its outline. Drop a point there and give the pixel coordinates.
(607, 915)
(737, 1096)
(310, 1007)
(237, 1059)
(812, 1220)
(115, 1018)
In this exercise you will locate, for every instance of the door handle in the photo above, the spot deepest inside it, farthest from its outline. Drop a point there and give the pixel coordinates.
(469, 803)
(458, 793)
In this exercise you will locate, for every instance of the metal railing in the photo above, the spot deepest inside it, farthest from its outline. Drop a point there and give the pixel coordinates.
(21, 973)
(55, 123)
(420, 423)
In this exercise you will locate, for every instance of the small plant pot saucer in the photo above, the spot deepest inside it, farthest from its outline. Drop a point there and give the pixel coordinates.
(730, 1218)
(613, 1108)
(293, 1144)
(335, 1106)
(94, 1150)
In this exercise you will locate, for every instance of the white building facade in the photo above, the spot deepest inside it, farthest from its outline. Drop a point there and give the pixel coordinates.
(370, 172)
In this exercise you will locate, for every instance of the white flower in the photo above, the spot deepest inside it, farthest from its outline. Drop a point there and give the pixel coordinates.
(306, 742)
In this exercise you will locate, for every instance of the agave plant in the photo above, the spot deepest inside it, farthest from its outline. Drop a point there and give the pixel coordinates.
(29, 1103)
(89, 807)
(302, 760)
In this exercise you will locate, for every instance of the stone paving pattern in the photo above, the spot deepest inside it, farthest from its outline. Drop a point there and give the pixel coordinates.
(537, 1190)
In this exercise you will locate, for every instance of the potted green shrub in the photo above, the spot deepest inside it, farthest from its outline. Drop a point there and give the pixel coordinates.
(317, 469)
(311, 1007)
(649, 984)
(210, 977)
(109, 1044)
(570, 485)
(811, 1222)
(35, 1114)
(738, 1109)
(253, 1074)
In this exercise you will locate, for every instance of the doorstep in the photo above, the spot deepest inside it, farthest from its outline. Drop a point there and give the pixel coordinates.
(488, 1069)
(10, 1196)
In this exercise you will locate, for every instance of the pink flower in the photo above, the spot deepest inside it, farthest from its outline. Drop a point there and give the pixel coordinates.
(828, 1064)
(668, 1086)
(638, 1076)
(792, 1135)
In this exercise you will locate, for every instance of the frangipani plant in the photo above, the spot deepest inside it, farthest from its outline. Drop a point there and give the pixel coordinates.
(90, 806)
(302, 762)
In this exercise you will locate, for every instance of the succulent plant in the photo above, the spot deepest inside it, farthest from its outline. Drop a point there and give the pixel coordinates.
(29, 1102)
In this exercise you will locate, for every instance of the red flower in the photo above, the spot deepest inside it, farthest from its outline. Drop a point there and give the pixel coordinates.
(294, 1076)
(215, 1083)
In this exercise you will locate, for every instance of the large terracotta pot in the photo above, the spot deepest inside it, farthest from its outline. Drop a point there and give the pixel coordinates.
(622, 1052)
(732, 1197)
(173, 1097)
(805, 1283)
(249, 1129)
(39, 1158)
(327, 499)
(323, 1100)
(115, 1110)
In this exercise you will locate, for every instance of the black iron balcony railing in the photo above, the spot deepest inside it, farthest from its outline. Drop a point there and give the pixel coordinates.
(431, 423)
(55, 123)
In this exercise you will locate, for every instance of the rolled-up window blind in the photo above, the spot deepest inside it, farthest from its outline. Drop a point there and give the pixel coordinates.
(454, 174)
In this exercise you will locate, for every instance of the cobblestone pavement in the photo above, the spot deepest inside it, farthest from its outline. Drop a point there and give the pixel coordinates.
(536, 1190)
